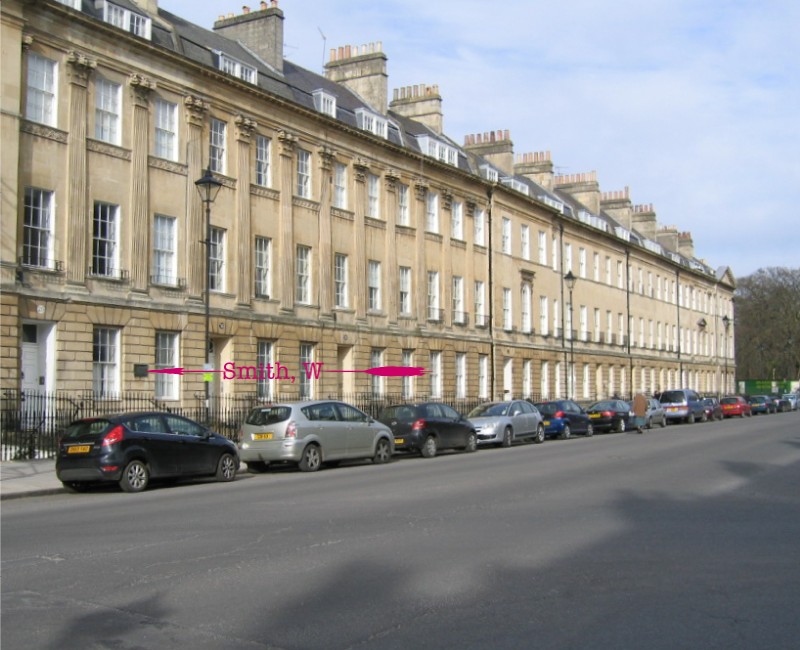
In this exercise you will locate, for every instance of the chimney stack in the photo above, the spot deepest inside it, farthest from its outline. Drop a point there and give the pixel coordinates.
(421, 103)
(261, 31)
(644, 220)
(584, 188)
(537, 166)
(495, 146)
(362, 71)
(667, 236)
(686, 245)
(617, 204)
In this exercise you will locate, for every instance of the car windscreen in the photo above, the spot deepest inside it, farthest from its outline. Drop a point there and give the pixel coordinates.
(485, 410)
(547, 409)
(603, 406)
(403, 413)
(729, 400)
(86, 429)
(264, 415)
(673, 396)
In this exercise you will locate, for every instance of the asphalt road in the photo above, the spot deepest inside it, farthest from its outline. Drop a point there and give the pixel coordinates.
(687, 537)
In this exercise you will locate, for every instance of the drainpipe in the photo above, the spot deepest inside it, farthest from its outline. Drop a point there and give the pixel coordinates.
(492, 344)
(630, 321)
(563, 307)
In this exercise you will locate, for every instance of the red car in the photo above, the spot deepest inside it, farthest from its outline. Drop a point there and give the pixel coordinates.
(735, 405)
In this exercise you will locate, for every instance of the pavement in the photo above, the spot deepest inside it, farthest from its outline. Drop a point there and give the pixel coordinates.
(24, 478)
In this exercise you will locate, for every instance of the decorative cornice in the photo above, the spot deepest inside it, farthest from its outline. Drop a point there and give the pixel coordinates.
(305, 203)
(265, 192)
(421, 188)
(287, 141)
(447, 199)
(361, 169)
(326, 157)
(196, 109)
(27, 41)
(244, 128)
(108, 149)
(168, 165)
(391, 178)
(44, 131)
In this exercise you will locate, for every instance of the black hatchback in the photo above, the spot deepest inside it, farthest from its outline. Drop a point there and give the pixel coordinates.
(427, 427)
(132, 448)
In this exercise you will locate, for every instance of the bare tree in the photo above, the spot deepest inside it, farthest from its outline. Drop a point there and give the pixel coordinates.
(768, 325)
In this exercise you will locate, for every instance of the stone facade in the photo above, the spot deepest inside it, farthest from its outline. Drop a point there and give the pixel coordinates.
(84, 306)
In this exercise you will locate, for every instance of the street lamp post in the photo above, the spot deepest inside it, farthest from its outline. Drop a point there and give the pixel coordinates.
(570, 279)
(726, 322)
(208, 187)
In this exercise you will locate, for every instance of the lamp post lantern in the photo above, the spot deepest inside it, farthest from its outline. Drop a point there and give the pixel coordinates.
(726, 322)
(570, 280)
(208, 187)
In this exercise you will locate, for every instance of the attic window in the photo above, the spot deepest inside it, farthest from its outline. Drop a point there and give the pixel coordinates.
(324, 102)
(622, 233)
(438, 150)
(231, 66)
(516, 185)
(489, 173)
(371, 122)
(134, 23)
(75, 4)
(558, 205)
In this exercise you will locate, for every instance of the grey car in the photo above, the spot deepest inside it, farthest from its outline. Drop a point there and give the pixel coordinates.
(655, 413)
(501, 423)
(310, 434)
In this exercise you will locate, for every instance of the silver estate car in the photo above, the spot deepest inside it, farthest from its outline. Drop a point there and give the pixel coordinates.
(501, 423)
(310, 434)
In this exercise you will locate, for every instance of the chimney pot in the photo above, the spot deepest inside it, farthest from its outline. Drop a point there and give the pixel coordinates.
(245, 9)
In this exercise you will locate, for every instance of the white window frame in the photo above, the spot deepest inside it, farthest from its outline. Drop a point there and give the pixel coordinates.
(407, 387)
(436, 374)
(37, 228)
(229, 65)
(263, 161)
(459, 316)
(433, 296)
(525, 307)
(372, 123)
(217, 146)
(461, 375)
(480, 227)
(483, 376)
(324, 102)
(506, 236)
(340, 186)
(403, 212)
(527, 378)
(432, 212)
(307, 352)
(166, 129)
(457, 221)
(542, 247)
(130, 21)
(525, 241)
(544, 318)
(378, 382)
(216, 260)
(262, 265)
(105, 240)
(340, 281)
(582, 262)
(165, 250)
(508, 310)
(41, 91)
(373, 196)
(265, 388)
(405, 290)
(107, 111)
(374, 285)
(303, 187)
(303, 275)
(167, 355)
(106, 362)
(480, 302)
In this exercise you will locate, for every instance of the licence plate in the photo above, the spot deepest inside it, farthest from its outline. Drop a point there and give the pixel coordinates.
(399, 441)
(546, 423)
(262, 436)
(594, 415)
(79, 449)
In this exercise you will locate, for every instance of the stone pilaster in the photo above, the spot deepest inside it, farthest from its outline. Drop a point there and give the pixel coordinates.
(392, 297)
(360, 169)
(244, 245)
(287, 145)
(195, 253)
(418, 219)
(326, 159)
(80, 67)
(139, 225)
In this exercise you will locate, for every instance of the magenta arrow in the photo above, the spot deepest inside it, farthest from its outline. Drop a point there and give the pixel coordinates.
(390, 371)
(179, 371)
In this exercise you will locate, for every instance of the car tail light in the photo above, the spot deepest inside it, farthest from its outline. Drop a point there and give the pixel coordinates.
(559, 414)
(114, 436)
(291, 430)
(419, 425)
(608, 414)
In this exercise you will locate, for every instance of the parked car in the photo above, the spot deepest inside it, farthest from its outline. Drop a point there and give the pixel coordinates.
(792, 397)
(610, 415)
(564, 417)
(760, 404)
(782, 405)
(501, 423)
(655, 413)
(310, 434)
(133, 448)
(735, 405)
(683, 405)
(427, 427)
(712, 408)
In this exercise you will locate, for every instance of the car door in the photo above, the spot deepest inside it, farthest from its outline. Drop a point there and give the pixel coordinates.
(456, 427)
(163, 449)
(531, 421)
(330, 430)
(198, 455)
(361, 431)
(578, 419)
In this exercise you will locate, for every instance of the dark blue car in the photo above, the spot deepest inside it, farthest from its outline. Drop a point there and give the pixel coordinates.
(564, 417)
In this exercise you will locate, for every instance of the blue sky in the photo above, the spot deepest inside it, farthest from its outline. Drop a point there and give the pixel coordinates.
(692, 104)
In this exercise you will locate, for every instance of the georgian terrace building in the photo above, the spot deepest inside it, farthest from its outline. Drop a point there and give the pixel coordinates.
(348, 230)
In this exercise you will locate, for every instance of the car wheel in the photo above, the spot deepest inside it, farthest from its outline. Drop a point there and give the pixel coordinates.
(257, 466)
(690, 418)
(472, 442)
(649, 424)
(539, 438)
(565, 433)
(508, 437)
(620, 428)
(311, 460)
(429, 448)
(589, 430)
(226, 468)
(383, 452)
(663, 421)
(75, 486)
(135, 477)
(704, 417)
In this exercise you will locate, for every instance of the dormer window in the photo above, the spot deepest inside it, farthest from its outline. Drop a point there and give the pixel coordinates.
(516, 185)
(371, 122)
(439, 150)
(75, 4)
(558, 205)
(130, 21)
(324, 102)
(489, 173)
(231, 66)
